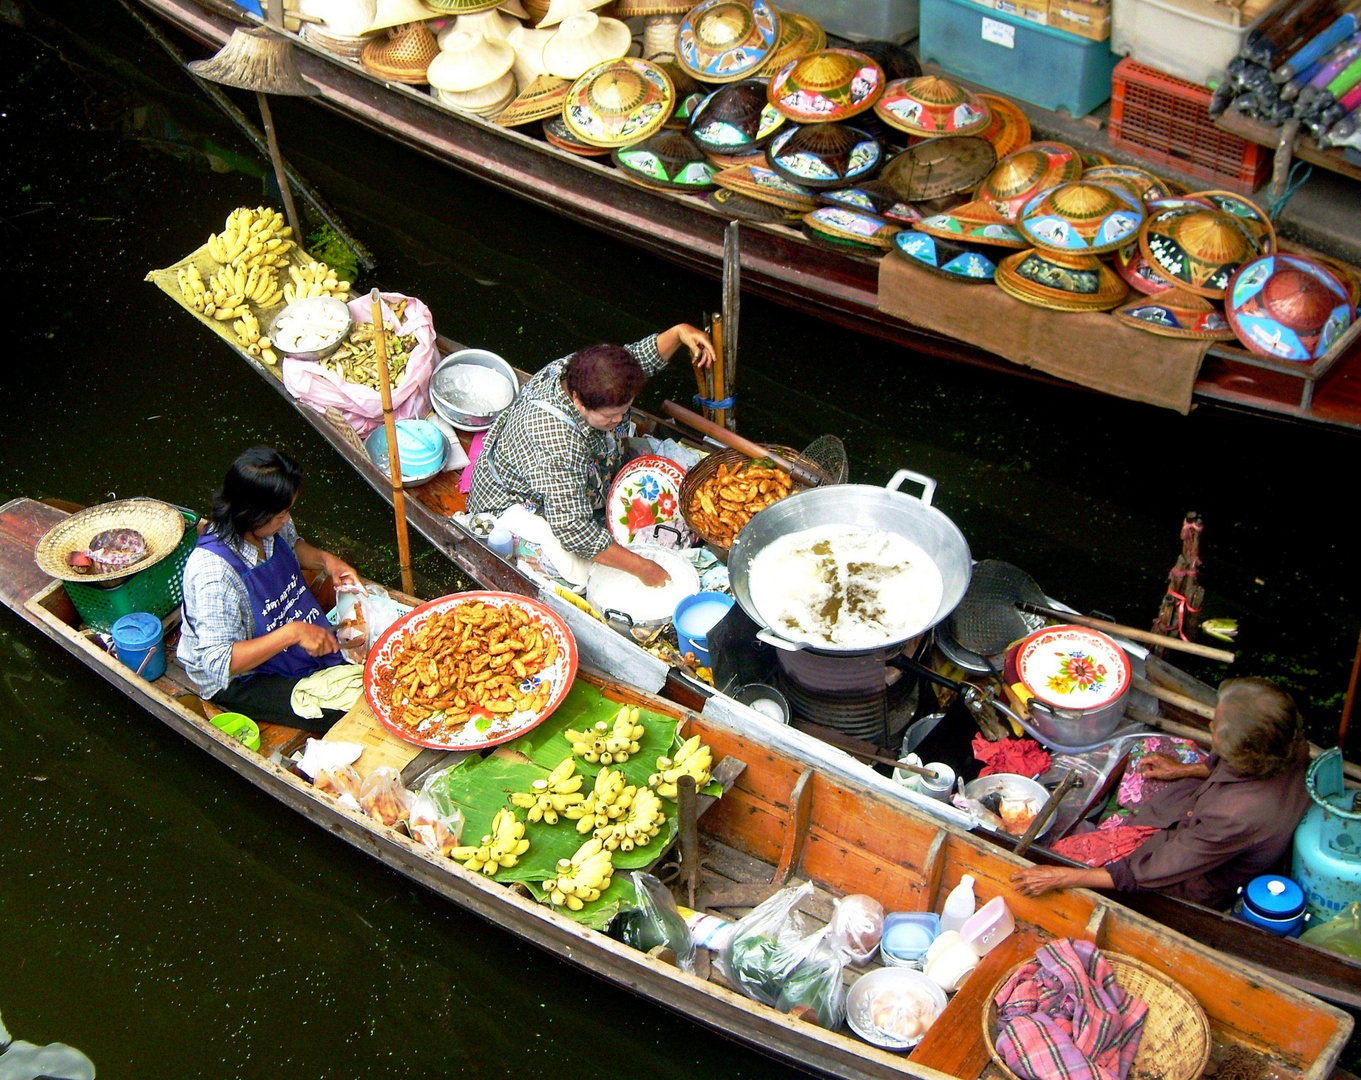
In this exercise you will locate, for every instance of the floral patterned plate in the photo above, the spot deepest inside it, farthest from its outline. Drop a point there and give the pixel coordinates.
(1071, 667)
(644, 504)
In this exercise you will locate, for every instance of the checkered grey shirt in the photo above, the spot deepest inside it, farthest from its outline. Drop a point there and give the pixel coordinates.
(543, 460)
(218, 612)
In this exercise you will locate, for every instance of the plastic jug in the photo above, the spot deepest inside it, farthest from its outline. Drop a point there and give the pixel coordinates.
(138, 641)
(959, 905)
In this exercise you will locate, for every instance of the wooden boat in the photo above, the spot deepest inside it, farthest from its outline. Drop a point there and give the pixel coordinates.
(782, 818)
(777, 262)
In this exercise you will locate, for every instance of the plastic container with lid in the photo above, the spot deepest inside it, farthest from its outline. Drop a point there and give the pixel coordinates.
(988, 927)
(1273, 903)
(907, 936)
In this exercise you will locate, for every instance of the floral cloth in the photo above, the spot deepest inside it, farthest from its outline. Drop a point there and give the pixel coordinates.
(1135, 788)
(1103, 845)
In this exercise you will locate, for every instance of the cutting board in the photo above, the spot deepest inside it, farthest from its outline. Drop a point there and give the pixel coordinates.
(381, 747)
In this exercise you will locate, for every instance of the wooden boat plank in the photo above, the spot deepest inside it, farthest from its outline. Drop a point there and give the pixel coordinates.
(22, 524)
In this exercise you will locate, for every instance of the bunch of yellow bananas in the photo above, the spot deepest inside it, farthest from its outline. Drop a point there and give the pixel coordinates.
(642, 821)
(193, 289)
(548, 798)
(693, 758)
(582, 878)
(607, 801)
(503, 846)
(247, 330)
(314, 279)
(609, 744)
(252, 238)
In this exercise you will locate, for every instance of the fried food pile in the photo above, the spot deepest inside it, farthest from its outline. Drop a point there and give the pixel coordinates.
(723, 503)
(471, 658)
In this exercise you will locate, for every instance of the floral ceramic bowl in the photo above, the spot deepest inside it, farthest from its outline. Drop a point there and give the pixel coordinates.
(644, 504)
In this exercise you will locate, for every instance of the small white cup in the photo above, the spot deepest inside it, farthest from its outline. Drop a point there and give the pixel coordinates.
(952, 966)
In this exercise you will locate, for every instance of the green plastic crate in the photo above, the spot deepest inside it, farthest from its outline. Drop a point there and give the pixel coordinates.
(156, 590)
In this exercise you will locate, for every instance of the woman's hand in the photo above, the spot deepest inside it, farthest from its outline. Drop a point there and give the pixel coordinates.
(339, 571)
(315, 640)
(699, 343)
(652, 574)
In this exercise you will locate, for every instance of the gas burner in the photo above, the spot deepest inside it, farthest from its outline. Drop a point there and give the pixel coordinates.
(861, 696)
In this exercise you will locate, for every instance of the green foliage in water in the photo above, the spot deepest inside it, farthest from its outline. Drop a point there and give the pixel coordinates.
(326, 246)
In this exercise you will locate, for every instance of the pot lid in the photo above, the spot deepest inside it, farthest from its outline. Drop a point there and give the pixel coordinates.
(824, 155)
(1026, 172)
(1081, 216)
(555, 131)
(1009, 129)
(829, 85)
(1072, 667)
(758, 182)
(945, 257)
(725, 40)
(618, 590)
(840, 222)
(799, 35)
(582, 42)
(468, 61)
(874, 197)
(669, 159)
(619, 102)
(1287, 306)
(938, 167)
(1067, 282)
(1274, 897)
(1197, 248)
(735, 119)
(975, 222)
(421, 446)
(1131, 265)
(539, 100)
(404, 57)
(1176, 313)
(738, 205)
(1147, 186)
(930, 105)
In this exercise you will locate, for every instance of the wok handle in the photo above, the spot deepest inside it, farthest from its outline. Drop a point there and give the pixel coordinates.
(772, 638)
(928, 485)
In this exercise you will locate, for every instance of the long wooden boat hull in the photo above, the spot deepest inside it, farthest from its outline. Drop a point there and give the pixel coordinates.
(779, 811)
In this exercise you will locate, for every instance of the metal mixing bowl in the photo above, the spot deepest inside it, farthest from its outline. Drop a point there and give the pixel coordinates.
(466, 421)
(300, 307)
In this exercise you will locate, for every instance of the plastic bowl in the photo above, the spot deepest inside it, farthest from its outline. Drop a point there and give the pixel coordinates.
(917, 928)
(240, 727)
(301, 308)
(449, 410)
(423, 450)
(869, 988)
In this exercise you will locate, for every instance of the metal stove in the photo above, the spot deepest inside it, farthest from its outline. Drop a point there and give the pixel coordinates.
(862, 696)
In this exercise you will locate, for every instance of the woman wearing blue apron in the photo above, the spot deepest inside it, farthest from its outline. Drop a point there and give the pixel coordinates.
(252, 628)
(558, 446)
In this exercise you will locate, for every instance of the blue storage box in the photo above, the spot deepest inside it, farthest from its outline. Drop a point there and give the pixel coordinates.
(1006, 53)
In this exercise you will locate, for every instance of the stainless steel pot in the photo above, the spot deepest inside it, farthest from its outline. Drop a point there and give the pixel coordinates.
(886, 508)
(1074, 727)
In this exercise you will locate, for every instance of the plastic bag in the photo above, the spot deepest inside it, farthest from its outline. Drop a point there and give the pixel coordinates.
(362, 614)
(435, 827)
(814, 989)
(656, 921)
(1340, 934)
(341, 783)
(764, 946)
(856, 927)
(384, 797)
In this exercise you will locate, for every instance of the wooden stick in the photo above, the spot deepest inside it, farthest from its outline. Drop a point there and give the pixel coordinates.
(720, 415)
(1145, 636)
(276, 159)
(737, 442)
(1351, 698)
(1181, 701)
(1048, 810)
(732, 284)
(394, 454)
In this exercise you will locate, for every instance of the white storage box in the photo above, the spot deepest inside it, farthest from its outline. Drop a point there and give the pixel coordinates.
(862, 20)
(1191, 39)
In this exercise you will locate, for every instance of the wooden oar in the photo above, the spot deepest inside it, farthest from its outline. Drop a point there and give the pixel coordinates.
(720, 391)
(1181, 701)
(394, 456)
(737, 442)
(1147, 637)
(1048, 810)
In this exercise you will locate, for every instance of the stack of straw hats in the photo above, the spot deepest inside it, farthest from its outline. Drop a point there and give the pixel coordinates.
(583, 41)
(473, 72)
(405, 52)
(345, 27)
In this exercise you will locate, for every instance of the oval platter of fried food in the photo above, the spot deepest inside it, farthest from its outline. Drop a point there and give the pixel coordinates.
(471, 670)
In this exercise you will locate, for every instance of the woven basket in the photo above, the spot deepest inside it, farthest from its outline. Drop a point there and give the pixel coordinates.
(160, 524)
(403, 58)
(1176, 1039)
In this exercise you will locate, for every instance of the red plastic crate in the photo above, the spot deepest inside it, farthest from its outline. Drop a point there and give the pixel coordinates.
(1166, 120)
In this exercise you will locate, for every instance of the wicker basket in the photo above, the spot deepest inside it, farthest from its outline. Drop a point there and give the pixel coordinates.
(706, 468)
(1175, 1044)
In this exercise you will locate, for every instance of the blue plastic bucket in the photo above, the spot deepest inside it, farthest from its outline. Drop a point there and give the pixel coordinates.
(138, 639)
(695, 616)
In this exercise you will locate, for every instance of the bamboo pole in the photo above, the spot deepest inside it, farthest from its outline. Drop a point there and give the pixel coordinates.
(732, 295)
(719, 392)
(1351, 698)
(280, 176)
(394, 455)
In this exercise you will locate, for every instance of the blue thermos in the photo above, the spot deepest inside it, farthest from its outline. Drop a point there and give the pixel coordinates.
(1273, 903)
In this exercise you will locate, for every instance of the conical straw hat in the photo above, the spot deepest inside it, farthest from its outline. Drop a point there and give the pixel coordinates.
(399, 12)
(539, 100)
(403, 57)
(1176, 313)
(342, 18)
(582, 41)
(619, 102)
(490, 24)
(161, 526)
(255, 60)
(558, 10)
(469, 61)
(528, 44)
(484, 100)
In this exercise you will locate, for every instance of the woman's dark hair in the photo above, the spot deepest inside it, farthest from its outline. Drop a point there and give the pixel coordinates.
(262, 482)
(1260, 731)
(604, 376)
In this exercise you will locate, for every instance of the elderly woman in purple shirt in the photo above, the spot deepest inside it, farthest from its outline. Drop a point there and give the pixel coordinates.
(1217, 824)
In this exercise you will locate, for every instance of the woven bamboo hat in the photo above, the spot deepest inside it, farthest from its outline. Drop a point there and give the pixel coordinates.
(489, 24)
(469, 61)
(930, 105)
(1287, 306)
(1147, 186)
(945, 258)
(390, 13)
(257, 59)
(404, 56)
(721, 41)
(735, 120)
(830, 85)
(873, 197)
(667, 160)
(799, 35)
(1176, 313)
(975, 223)
(559, 10)
(1194, 247)
(1009, 129)
(1067, 282)
(339, 18)
(582, 42)
(821, 156)
(842, 223)
(619, 102)
(161, 526)
(539, 100)
(555, 131)
(1131, 265)
(629, 9)
(1082, 216)
(758, 182)
(528, 44)
(1024, 173)
(735, 204)
(1244, 209)
(939, 167)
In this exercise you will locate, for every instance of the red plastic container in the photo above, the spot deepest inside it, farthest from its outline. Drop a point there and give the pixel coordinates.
(1166, 120)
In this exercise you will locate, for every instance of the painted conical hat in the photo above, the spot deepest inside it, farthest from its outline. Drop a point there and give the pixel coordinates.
(404, 56)
(799, 36)
(390, 13)
(1009, 129)
(873, 197)
(1024, 173)
(822, 156)
(758, 182)
(727, 201)
(1082, 216)
(469, 61)
(539, 100)
(1176, 313)
(1244, 209)
(619, 102)
(930, 105)
(897, 60)
(669, 160)
(830, 85)
(1349, 275)
(974, 223)
(735, 119)
(559, 10)
(1060, 282)
(582, 42)
(1196, 248)
(721, 41)
(1287, 306)
(1147, 186)
(937, 167)
(947, 258)
(844, 223)
(555, 131)
(1131, 265)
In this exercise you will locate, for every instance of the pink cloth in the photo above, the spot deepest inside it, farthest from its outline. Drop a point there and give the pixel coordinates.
(1103, 845)
(1024, 757)
(465, 481)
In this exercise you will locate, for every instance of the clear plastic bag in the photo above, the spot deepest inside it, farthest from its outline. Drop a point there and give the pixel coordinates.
(764, 946)
(656, 921)
(814, 989)
(362, 614)
(1340, 934)
(436, 827)
(856, 926)
(384, 797)
(341, 783)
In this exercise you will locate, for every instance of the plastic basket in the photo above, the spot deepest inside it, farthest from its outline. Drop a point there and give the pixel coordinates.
(1166, 120)
(157, 590)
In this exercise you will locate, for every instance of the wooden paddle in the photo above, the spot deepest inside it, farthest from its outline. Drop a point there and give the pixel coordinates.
(737, 442)
(394, 456)
(1147, 637)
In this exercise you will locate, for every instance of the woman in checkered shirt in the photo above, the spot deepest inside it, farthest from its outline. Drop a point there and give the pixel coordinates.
(556, 448)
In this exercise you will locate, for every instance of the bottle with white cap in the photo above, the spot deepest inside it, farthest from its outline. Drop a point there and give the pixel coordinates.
(959, 905)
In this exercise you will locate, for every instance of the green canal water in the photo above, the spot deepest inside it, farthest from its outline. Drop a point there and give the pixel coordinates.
(172, 922)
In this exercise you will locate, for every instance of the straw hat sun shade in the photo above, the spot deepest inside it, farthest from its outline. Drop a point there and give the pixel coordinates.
(721, 41)
(1081, 216)
(930, 105)
(582, 42)
(404, 56)
(619, 102)
(1024, 173)
(258, 60)
(528, 44)
(469, 61)
(831, 85)
(539, 100)
(160, 525)
(824, 155)
(1176, 313)
(490, 24)
(560, 10)
(390, 13)
(341, 18)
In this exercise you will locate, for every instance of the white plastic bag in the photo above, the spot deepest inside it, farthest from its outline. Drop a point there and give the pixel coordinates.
(433, 827)
(362, 614)
(764, 944)
(856, 927)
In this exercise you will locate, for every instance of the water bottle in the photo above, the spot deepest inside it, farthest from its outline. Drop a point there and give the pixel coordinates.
(959, 905)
